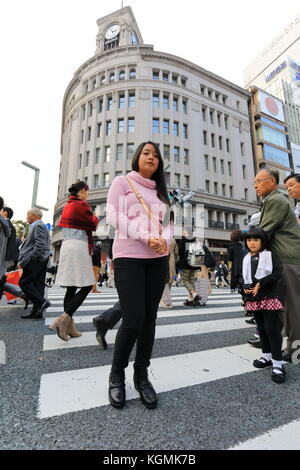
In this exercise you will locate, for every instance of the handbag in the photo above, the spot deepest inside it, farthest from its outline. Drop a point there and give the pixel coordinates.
(145, 207)
(13, 277)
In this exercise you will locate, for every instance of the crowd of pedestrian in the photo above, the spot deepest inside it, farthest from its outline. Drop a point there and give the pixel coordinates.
(144, 260)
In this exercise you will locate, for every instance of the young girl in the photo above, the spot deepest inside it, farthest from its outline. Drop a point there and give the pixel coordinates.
(261, 272)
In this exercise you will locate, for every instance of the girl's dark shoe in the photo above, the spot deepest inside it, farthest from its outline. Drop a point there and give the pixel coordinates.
(144, 387)
(116, 390)
(196, 301)
(188, 303)
(102, 328)
(261, 363)
(278, 378)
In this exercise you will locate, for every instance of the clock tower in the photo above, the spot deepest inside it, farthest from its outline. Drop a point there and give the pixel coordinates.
(118, 29)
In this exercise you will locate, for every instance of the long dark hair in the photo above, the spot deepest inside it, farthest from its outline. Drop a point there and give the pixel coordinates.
(158, 176)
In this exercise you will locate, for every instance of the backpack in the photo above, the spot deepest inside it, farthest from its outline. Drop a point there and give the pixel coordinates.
(209, 259)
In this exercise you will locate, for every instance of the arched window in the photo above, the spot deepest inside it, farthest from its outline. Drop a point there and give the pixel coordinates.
(112, 77)
(102, 80)
(122, 75)
(132, 74)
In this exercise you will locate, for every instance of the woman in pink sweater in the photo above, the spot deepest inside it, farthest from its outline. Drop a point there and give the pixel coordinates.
(140, 253)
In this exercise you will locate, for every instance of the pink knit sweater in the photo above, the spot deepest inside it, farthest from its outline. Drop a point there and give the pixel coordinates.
(133, 226)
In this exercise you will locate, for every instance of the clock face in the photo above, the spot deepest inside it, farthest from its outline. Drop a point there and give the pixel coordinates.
(112, 31)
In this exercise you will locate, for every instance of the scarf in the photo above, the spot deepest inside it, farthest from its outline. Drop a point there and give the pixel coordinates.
(77, 214)
(264, 268)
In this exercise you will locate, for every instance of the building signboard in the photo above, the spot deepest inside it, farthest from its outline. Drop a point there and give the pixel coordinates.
(271, 106)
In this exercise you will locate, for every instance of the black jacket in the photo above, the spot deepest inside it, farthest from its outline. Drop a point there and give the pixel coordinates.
(268, 284)
(96, 257)
(12, 252)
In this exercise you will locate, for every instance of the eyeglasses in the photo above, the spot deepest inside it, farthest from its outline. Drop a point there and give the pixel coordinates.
(260, 181)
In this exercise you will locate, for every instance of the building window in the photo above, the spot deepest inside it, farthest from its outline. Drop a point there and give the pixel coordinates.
(121, 126)
(89, 133)
(96, 181)
(155, 100)
(224, 99)
(205, 137)
(231, 191)
(238, 105)
(213, 140)
(155, 74)
(215, 164)
(85, 179)
(131, 100)
(166, 101)
(244, 172)
(219, 119)
(223, 190)
(120, 152)
(100, 105)
(206, 162)
(87, 158)
(122, 75)
(187, 181)
(227, 145)
(175, 103)
(106, 180)
(90, 109)
(242, 149)
(83, 112)
(229, 168)
(166, 127)
(109, 103)
(186, 156)
(167, 152)
(174, 79)
(226, 122)
(99, 129)
(175, 128)
(102, 80)
(155, 126)
(215, 189)
(94, 83)
(107, 154)
(167, 176)
(183, 81)
(185, 131)
(207, 186)
(108, 128)
(211, 115)
(97, 158)
(112, 77)
(222, 166)
(220, 143)
(130, 151)
(204, 108)
(202, 90)
(131, 125)
(177, 180)
(166, 76)
(209, 93)
(118, 173)
(184, 106)
(240, 127)
(217, 96)
(80, 161)
(132, 74)
(246, 194)
(121, 101)
(82, 136)
(176, 155)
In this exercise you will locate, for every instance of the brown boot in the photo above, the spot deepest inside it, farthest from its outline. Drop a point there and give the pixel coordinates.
(71, 330)
(62, 324)
(53, 325)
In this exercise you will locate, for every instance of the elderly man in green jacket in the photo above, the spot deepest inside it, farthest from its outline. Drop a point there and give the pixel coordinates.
(279, 221)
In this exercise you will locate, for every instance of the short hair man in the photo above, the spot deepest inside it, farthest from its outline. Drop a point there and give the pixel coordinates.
(279, 222)
(292, 183)
(33, 259)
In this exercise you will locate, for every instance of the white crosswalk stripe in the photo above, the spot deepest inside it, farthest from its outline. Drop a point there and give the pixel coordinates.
(85, 389)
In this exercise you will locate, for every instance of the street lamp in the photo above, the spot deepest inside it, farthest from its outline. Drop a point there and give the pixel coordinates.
(35, 185)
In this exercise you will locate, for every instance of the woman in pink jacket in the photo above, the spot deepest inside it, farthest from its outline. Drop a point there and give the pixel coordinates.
(138, 208)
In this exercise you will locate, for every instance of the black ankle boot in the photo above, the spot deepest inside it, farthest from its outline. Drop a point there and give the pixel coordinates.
(116, 390)
(144, 387)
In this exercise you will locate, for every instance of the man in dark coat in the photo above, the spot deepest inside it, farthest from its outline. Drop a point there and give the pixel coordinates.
(12, 251)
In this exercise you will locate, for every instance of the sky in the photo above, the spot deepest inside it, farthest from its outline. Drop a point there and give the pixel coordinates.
(44, 42)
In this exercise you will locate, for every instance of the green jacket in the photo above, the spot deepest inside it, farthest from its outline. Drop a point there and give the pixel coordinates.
(279, 221)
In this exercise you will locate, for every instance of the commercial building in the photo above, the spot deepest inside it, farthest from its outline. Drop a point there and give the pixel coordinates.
(128, 93)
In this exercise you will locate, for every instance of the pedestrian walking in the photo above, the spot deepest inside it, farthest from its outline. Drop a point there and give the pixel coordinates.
(261, 273)
(96, 259)
(137, 206)
(188, 271)
(278, 220)
(235, 255)
(75, 269)
(166, 300)
(12, 251)
(4, 235)
(33, 259)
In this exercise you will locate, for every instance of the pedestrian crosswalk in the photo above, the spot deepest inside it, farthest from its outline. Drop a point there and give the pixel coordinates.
(77, 389)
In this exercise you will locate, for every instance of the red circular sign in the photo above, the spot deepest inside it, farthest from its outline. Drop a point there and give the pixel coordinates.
(271, 106)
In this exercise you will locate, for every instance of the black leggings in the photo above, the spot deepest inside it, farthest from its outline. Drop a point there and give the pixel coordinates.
(140, 284)
(73, 300)
(269, 326)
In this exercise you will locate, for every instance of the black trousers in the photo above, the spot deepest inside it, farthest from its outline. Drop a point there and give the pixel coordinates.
(32, 281)
(269, 325)
(73, 299)
(140, 284)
